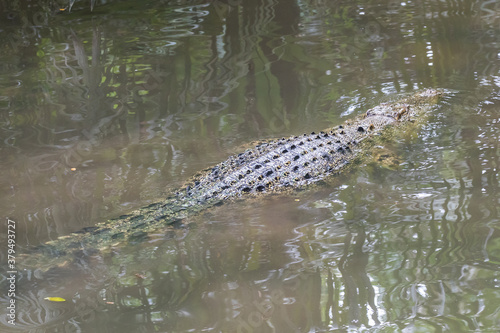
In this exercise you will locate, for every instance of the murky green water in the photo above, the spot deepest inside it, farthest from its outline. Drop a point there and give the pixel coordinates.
(102, 112)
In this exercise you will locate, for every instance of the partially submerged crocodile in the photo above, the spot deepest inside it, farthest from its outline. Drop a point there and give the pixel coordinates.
(269, 167)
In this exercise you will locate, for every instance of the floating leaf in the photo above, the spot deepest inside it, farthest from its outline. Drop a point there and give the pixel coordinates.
(55, 299)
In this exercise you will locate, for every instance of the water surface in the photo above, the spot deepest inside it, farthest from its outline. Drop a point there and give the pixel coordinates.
(106, 111)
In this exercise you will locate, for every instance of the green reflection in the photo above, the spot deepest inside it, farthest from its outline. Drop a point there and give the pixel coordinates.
(138, 96)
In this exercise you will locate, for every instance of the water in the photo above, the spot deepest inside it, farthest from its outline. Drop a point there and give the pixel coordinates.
(103, 112)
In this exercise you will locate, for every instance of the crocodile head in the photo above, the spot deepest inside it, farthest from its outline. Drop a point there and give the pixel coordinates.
(420, 102)
(407, 108)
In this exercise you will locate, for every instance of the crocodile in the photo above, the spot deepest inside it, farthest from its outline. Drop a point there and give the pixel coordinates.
(271, 166)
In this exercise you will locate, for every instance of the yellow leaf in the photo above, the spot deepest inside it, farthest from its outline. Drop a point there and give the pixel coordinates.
(55, 299)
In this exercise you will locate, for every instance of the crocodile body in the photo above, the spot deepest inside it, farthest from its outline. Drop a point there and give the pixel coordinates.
(300, 160)
(269, 167)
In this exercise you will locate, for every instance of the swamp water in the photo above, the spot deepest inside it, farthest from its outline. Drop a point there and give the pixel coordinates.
(106, 111)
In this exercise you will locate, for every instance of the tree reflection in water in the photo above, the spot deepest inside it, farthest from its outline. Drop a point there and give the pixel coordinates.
(413, 248)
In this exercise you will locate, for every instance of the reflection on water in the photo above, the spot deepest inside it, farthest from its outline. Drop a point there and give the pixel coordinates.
(107, 111)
